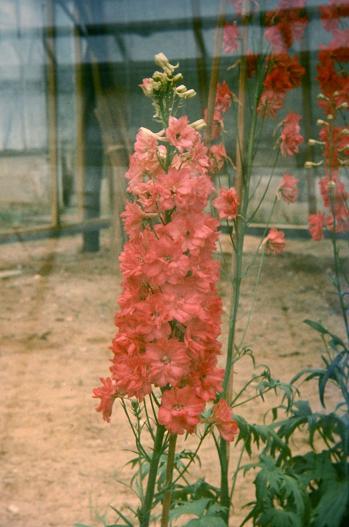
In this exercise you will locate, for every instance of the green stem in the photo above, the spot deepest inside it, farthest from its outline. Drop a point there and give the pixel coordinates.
(144, 513)
(166, 504)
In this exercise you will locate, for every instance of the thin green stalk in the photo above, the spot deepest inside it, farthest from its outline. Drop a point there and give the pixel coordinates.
(166, 504)
(337, 270)
(236, 473)
(236, 286)
(144, 513)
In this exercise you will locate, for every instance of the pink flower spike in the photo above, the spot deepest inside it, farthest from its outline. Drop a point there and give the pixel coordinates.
(227, 203)
(223, 419)
(275, 242)
(288, 189)
(316, 226)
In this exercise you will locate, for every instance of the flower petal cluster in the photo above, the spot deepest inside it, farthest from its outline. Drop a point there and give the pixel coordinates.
(168, 323)
(286, 24)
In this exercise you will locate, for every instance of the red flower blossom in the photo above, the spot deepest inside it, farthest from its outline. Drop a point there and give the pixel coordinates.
(217, 156)
(290, 137)
(231, 35)
(180, 410)
(274, 242)
(180, 134)
(227, 203)
(316, 226)
(224, 97)
(271, 102)
(222, 418)
(288, 189)
(107, 394)
(168, 362)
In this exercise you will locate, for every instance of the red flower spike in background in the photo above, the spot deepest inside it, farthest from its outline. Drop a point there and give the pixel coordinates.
(223, 419)
(288, 188)
(227, 203)
(274, 242)
(169, 317)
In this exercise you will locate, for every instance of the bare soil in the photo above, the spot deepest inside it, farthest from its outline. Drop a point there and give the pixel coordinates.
(60, 463)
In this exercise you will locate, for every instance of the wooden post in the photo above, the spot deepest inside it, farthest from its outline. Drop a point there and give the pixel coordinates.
(215, 72)
(201, 53)
(52, 109)
(240, 142)
(79, 113)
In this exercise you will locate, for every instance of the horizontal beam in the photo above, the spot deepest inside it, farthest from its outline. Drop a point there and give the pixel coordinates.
(292, 232)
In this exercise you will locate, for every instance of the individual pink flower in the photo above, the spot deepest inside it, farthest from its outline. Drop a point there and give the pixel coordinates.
(290, 137)
(180, 134)
(180, 410)
(227, 203)
(223, 419)
(271, 102)
(133, 217)
(217, 157)
(274, 242)
(168, 362)
(107, 394)
(231, 36)
(316, 226)
(288, 189)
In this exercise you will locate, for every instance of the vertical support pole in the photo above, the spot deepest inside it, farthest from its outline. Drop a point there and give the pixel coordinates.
(240, 142)
(52, 109)
(215, 72)
(79, 113)
(201, 54)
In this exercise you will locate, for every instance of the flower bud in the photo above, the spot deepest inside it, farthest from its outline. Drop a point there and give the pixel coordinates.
(313, 142)
(198, 125)
(321, 122)
(181, 89)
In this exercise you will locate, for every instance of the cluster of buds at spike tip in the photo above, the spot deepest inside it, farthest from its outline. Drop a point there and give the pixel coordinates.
(165, 86)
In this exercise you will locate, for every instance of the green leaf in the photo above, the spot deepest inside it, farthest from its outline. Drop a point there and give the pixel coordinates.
(206, 521)
(333, 505)
(323, 331)
(196, 507)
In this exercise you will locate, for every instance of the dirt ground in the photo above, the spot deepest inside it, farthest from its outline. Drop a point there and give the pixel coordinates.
(60, 463)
